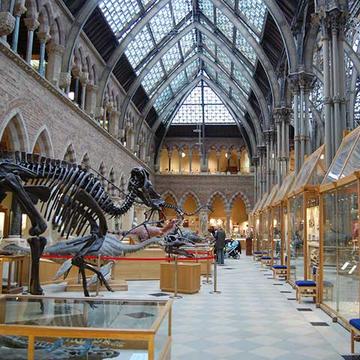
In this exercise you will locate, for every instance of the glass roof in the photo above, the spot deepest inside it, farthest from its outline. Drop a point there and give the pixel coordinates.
(347, 158)
(123, 15)
(191, 111)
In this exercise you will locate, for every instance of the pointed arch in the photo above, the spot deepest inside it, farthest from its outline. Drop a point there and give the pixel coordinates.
(13, 132)
(243, 197)
(187, 194)
(43, 144)
(171, 194)
(70, 155)
(85, 162)
(222, 196)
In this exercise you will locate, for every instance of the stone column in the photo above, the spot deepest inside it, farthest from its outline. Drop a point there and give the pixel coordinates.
(190, 160)
(53, 68)
(238, 161)
(169, 156)
(19, 10)
(7, 25)
(114, 123)
(204, 219)
(218, 154)
(31, 24)
(43, 37)
(84, 79)
(90, 102)
(228, 217)
(203, 163)
(255, 161)
(76, 72)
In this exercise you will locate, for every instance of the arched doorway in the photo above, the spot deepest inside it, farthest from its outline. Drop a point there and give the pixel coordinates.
(169, 213)
(190, 205)
(238, 217)
(43, 145)
(218, 215)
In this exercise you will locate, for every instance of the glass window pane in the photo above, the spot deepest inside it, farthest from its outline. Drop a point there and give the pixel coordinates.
(254, 11)
(353, 163)
(208, 43)
(179, 81)
(162, 99)
(207, 9)
(153, 78)
(224, 24)
(161, 24)
(187, 42)
(244, 47)
(139, 47)
(193, 69)
(224, 60)
(171, 58)
(118, 14)
(180, 9)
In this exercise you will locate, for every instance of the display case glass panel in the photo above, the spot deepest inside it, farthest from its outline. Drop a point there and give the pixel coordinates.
(107, 328)
(341, 289)
(284, 189)
(343, 159)
(276, 233)
(296, 241)
(312, 233)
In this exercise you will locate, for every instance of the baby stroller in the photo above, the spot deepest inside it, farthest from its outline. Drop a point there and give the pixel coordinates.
(233, 249)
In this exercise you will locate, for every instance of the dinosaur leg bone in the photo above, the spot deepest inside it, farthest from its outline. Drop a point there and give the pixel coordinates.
(37, 245)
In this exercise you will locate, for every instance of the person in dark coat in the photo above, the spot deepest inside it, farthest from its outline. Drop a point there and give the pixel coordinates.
(219, 245)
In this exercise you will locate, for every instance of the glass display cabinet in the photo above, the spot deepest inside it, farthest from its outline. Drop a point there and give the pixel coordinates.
(266, 213)
(259, 226)
(61, 328)
(280, 219)
(339, 202)
(303, 209)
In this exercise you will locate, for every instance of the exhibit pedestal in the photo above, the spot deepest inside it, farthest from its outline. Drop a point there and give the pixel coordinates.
(188, 277)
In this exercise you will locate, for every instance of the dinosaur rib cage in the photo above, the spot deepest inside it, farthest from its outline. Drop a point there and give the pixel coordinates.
(69, 212)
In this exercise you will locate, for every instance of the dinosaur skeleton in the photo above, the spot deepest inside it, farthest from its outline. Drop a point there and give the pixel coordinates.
(73, 199)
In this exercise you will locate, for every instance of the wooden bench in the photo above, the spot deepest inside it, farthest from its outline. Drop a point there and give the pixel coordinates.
(279, 271)
(306, 288)
(355, 332)
(266, 261)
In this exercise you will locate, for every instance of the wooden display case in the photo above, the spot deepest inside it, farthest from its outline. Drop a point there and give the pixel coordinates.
(122, 328)
(303, 199)
(340, 231)
(188, 277)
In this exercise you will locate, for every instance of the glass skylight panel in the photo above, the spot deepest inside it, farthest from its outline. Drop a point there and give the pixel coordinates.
(179, 82)
(161, 24)
(237, 99)
(180, 9)
(224, 60)
(145, 2)
(224, 24)
(153, 77)
(245, 48)
(231, 3)
(188, 114)
(162, 99)
(240, 78)
(193, 69)
(187, 42)
(210, 97)
(218, 114)
(194, 97)
(210, 72)
(139, 47)
(223, 82)
(208, 43)
(207, 8)
(119, 13)
(254, 11)
(171, 58)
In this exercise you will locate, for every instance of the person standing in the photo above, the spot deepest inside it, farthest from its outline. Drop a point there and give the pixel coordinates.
(219, 245)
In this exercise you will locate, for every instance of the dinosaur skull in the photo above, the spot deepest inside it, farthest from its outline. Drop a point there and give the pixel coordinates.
(141, 185)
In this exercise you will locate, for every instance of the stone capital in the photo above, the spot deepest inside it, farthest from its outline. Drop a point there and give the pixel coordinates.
(84, 78)
(7, 23)
(282, 114)
(31, 23)
(76, 71)
(92, 87)
(43, 36)
(65, 79)
(19, 8)
(53, 48)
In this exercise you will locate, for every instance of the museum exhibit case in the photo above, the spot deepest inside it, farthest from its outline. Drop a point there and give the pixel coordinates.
(266, 225)
(303, 210)
(258, 229)
(55, 328)
(280, 219)
(339, 201)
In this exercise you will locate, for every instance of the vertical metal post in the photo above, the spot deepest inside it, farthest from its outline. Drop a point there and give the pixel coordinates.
(215, 291)
(175, 296)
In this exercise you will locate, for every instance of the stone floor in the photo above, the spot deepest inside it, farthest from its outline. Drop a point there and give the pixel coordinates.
(254, 317)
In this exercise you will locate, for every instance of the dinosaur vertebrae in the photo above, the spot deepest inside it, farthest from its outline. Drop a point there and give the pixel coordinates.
(182, 212)
(65, 182)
